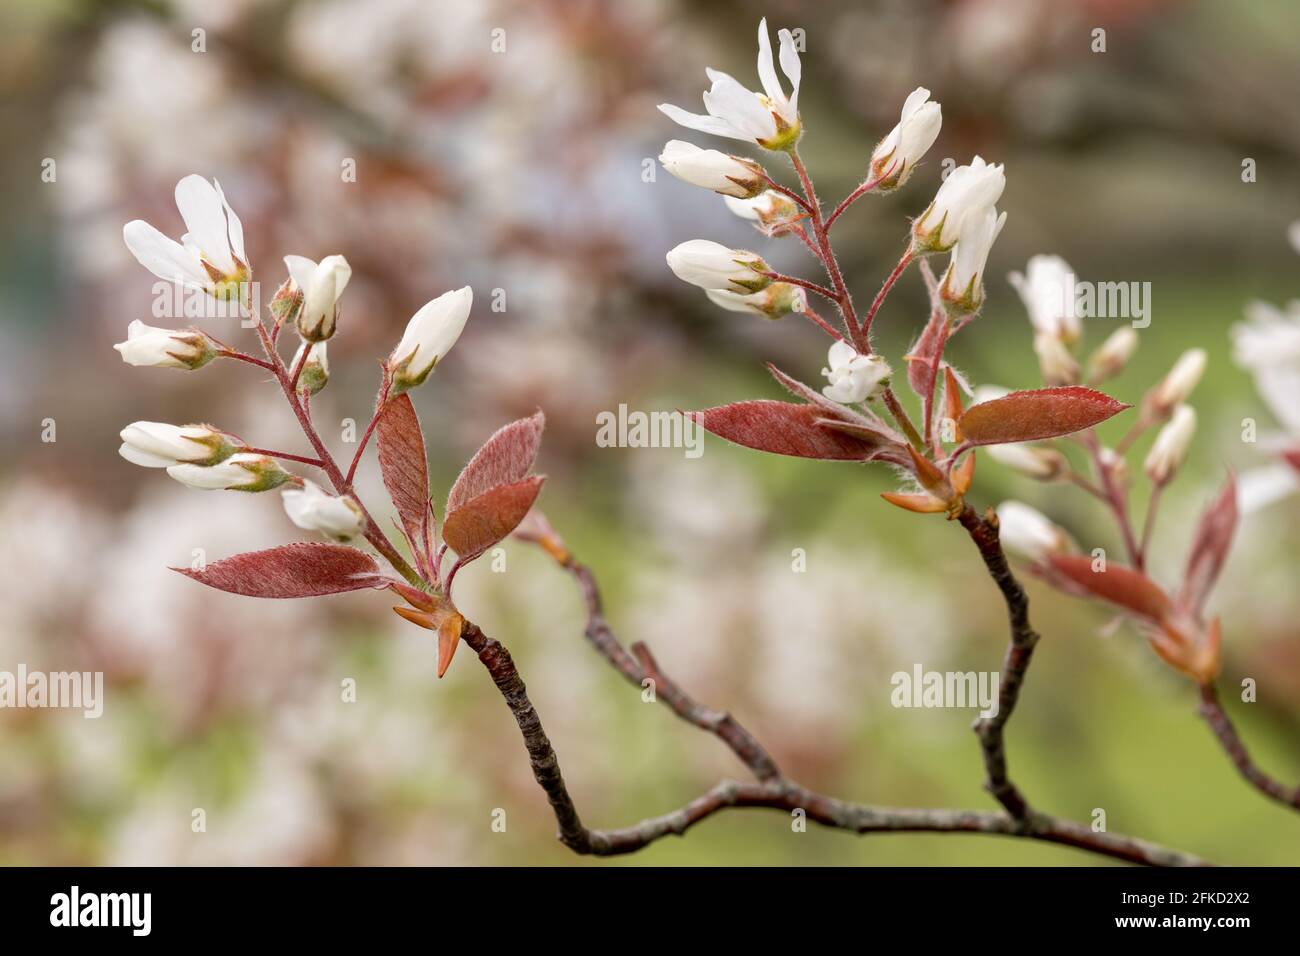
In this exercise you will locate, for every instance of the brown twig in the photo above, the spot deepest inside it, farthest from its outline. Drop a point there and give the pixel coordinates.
(772, 790)
(1233, 746)
(1020, 649)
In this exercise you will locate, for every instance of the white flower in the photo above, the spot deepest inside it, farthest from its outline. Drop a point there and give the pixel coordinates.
(1029, 533)
(321, 283)
(1113, 354)
(1175, 387)
(769, 118)
(1170, 448)
(1046, 288)
(1055, 361)
(147, 345)
(159, 445)
(316, 372)
(1293, 234)
(778, 299)
(1029, 460)
(1267, 345)
(429, 336)
(242, 472)
(968, 189)
(711, 265)
(1260, 487)
(853, 377)
(711, 169)
(917, 129)
(962, 289)
(209, 256)
(312, 509)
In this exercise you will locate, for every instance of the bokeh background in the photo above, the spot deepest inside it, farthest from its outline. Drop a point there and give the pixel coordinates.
(524, 171)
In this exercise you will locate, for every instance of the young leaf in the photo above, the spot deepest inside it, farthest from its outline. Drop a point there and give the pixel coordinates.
(1210, 547)
(783, 428)
(505, 458)
(294, 570)
(483, 521)
(1129, 589)
(1038, 414)
(403, 465)
(923, 363)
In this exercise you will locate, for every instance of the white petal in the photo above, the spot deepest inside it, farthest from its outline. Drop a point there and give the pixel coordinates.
(300, 270)
(204, 213)
(166, 258)
(137, 457)
(704, 124)
(739, 106)
(1260, 487)
(766, 67)
(234, 228)
(790, 64)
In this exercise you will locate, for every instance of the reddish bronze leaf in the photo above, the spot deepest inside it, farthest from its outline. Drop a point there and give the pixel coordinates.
(783, 428)
(923, 363)
(1210, 547)
(483, 521)
(402, 462)
(1129, 589)
(809, 394)
(505, 458)
(1036, 415)
(294, 570)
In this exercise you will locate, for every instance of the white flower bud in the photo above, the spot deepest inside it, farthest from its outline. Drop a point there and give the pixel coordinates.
(147, 345)
(159, 445)
(1029, 533)
(337, 517)
(316, 372)
(429, 336)
(962, 288)
(711, 265)
(1055, 361)
(1175, 387)
(242, 472)
(917, 129)
(1043, 464)
(967, 189)
(711, 169)
(1113, 354)
(853, 377)
(1047, 289)
(771, 212)
(778, 299)
(1171, 445)
(321, 284)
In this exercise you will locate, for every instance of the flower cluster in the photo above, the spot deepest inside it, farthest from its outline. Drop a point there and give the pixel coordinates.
(211, 258)
(1038, 433)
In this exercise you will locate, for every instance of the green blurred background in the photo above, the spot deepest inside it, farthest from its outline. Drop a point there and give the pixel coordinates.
(522, 170)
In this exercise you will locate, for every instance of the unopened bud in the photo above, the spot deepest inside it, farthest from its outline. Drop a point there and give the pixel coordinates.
(242, 472)
(147, 345)
(1044, 464)
(778, 299)
(1113, 354)
(1171, 445)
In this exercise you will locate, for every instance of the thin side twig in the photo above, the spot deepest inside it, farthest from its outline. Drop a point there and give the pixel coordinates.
(1235, 748)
